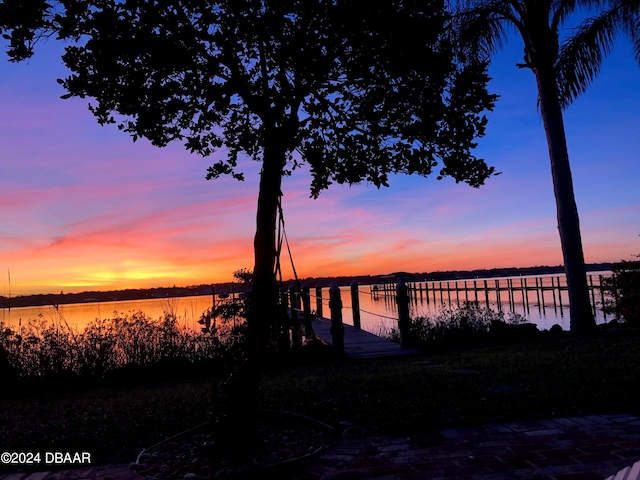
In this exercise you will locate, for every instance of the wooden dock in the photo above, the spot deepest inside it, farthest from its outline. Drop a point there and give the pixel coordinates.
(360, 343)
(500, 290)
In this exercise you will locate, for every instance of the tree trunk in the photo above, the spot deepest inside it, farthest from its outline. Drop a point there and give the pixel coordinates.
(581, 315)
(263, 305)
(238, 430)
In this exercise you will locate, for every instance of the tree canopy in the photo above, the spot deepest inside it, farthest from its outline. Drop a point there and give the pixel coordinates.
(358, 89)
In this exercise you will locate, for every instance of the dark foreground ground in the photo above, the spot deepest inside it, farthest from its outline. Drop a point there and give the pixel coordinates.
(398, 401)
(592, 447)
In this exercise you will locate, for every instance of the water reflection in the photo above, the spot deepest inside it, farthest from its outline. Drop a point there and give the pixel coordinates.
(544, 306)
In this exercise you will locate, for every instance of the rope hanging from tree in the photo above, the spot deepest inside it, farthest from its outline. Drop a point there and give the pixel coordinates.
(282, 235)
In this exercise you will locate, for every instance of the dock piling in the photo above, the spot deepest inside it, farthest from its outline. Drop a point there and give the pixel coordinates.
(337, 328)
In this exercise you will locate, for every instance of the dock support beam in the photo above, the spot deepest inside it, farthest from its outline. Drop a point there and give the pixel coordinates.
(337, 328)
(355, 304)
(404, 322)
(306, 308)
(319, 301)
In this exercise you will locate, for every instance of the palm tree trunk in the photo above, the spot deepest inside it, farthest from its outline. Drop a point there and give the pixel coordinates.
(581, 315)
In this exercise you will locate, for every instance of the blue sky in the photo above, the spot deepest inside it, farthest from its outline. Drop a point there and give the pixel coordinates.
(84, 207)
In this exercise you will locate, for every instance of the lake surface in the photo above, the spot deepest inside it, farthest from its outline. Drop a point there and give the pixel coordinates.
(78, 315)
(544, 308)
(378, 311)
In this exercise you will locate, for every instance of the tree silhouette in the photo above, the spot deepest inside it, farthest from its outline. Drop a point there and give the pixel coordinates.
(564, 69)
(358, 90)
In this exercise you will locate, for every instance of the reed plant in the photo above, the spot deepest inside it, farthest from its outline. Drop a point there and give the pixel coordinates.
(467, 323)
(42, 348)
(623, 288)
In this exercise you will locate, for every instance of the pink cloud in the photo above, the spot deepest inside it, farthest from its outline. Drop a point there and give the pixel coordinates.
(82, 205)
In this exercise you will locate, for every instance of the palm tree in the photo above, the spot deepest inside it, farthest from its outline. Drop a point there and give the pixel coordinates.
(563, 71)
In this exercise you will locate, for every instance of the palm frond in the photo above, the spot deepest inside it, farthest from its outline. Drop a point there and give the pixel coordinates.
(629, 20)
(481, 28)
(563, 9)
(581, 55)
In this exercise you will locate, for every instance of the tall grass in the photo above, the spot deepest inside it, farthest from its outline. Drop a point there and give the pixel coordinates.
(466, 323)
(42, 348)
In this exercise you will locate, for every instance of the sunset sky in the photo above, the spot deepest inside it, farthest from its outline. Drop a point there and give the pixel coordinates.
(85, 208)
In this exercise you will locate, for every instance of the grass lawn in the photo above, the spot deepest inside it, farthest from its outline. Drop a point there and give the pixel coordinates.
(546, 377)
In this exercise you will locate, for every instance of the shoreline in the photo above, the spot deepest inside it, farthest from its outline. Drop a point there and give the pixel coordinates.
(52, 299)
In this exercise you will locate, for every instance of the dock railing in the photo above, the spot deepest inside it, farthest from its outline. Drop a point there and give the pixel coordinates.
(303, 297)
(492, 290)
(528, 291)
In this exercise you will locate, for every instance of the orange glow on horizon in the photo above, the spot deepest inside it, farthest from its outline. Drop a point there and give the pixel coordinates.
(117, 262)
(80, 278)
(85, 208)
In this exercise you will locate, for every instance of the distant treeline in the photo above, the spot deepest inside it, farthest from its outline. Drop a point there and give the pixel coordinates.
(449, 275)
(169, 292)
(506, 272)
(109, 296)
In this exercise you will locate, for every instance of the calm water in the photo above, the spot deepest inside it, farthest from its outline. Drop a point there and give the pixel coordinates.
(78, 315)
(378, 312)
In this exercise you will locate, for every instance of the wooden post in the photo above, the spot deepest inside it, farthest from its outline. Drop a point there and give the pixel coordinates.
(475, 290)
(559, 294)
(355, 304)
(306, 299)
(441, 299)
(337, 328)
(449, 293)
(508, 288)
(498, 299)
(553, 292)
(404, 322)
(593, 295)
(466, 292)
(306, 307)
(486, 293)
(319, 301)
(526, 295)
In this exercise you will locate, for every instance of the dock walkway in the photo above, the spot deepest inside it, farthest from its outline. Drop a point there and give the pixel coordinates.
(360, 343)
